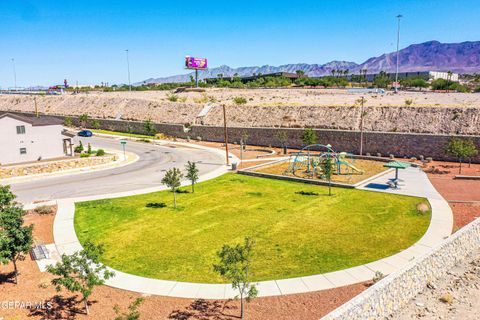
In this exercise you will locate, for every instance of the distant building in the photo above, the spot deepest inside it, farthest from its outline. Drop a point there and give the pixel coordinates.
(246, 79)
(28, 138)
(427, 75)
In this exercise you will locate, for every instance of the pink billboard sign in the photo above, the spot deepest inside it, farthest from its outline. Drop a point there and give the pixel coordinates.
(195, 63)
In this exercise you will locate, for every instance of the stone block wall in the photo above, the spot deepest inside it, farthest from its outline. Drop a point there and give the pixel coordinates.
(397, 143)
(393, 292)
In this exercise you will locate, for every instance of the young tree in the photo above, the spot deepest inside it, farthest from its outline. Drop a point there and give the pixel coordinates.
(79, 148)
(234, 266)
(461, 149)
(81, 271)
(67, 122)
(172, 180)
(96, 123)
(83, 119)
(300, 73)
(309, 136)
(328, 171)
(15, 238)
(89, 148)
(149, 127)
(132, 313)
(192, 173)
(282, 136)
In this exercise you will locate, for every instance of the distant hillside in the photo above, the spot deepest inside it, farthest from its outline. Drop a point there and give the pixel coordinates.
(432, 55)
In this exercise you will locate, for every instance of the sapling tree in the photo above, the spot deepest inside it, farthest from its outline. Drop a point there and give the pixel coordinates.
(172, 180)
(84, 119)
(81, 271)
(328, 171)
(149, 127)
(192, 173)
(234, 266)
(282, 136)
(309, 136)
(461, 149)
(15, 238)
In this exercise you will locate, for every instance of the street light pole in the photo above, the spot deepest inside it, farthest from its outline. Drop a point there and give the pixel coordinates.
(128, 69)
(398, 45)
(14, 74)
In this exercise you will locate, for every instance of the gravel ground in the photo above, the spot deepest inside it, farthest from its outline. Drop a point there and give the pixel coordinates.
(456, 296)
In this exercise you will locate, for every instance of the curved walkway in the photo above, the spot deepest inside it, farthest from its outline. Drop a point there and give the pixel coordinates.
(415, 183)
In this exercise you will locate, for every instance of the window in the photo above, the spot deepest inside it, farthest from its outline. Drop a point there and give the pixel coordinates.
(20, 129)
(23, 150)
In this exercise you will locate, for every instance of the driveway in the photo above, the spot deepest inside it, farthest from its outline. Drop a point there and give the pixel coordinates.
(147, 172)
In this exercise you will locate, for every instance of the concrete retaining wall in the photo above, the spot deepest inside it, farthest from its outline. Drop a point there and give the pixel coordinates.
(393, 292)
(384, 143)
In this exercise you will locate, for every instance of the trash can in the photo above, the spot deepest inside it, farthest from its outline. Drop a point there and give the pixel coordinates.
(234, 166)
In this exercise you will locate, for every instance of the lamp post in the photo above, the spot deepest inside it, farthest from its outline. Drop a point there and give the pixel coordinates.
(128, 70)
(398, 44)
(14, 74)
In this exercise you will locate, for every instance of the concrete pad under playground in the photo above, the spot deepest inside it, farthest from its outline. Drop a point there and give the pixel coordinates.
(415, 183)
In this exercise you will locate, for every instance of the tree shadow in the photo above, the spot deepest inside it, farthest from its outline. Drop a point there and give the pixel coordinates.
(59, 307)
(206, 310)
(7, 277)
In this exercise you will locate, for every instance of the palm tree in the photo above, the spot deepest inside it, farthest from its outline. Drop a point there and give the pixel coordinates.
(172, 180)
(192, 173)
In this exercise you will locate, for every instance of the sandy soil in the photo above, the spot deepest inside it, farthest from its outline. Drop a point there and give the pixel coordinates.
(455, 296)
(35, 287)
(369, 168)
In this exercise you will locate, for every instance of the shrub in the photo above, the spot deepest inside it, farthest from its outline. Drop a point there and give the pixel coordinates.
(100, 152)
(68, 122)
(408, 102)
(84, 155)
(378, 276)
(172, 97)
(79, 148)
(43, 210)
(239, 100)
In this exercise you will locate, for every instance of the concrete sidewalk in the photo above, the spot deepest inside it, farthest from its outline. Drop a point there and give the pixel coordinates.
(415, 183)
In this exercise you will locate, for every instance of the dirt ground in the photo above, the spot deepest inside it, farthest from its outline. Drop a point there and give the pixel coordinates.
(462, 195)
(34, 287)
(455, 296)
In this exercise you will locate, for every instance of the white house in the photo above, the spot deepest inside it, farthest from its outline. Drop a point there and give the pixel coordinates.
(29, 138)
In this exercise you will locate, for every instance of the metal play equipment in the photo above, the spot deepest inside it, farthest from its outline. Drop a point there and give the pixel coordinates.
(309, 162)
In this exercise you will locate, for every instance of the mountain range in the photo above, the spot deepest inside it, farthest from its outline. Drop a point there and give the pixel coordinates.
(461, 57)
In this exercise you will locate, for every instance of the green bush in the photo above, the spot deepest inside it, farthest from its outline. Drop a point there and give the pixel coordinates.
(239, 100)
(100, 152)
(79, 148)
(172, 97)
(84, 155)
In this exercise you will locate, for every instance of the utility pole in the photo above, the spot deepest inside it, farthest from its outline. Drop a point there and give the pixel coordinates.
(14, 74)
(128, 69)
(36, 107)
(225, 134)
(361, 125)
(398, 46)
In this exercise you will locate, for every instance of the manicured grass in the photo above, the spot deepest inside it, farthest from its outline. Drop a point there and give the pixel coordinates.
(124, 134)
(296, 235)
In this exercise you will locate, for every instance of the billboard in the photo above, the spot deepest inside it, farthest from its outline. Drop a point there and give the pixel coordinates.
(195, 63)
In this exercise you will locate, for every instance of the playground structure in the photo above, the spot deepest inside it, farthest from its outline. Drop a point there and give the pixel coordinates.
(310, 162)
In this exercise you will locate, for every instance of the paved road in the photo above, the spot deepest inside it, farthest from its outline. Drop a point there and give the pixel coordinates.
(147, 172)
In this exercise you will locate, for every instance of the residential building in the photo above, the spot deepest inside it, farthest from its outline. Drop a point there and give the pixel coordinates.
(27, 138)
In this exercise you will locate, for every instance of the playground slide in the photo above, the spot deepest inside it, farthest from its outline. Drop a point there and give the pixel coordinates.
(348, 164)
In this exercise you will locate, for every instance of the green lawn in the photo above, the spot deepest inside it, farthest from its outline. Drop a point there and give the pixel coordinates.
(123, 134)
(296, 235)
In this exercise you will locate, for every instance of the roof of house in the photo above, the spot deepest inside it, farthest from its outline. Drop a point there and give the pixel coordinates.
(32, 119)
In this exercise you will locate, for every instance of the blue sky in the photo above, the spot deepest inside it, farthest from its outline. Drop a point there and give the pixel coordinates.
(85, 40)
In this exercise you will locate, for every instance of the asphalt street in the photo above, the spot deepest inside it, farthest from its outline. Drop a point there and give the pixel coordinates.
(147, 172)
